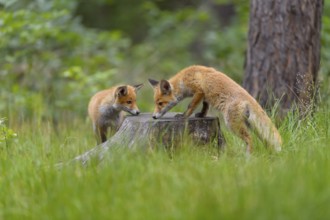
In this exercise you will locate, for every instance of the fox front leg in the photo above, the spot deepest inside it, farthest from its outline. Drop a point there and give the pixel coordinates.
(197, 98)
(204, 111)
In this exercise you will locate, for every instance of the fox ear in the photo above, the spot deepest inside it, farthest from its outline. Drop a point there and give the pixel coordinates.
(137, 87)
(165, 87)
(121, 91)
(153, 82)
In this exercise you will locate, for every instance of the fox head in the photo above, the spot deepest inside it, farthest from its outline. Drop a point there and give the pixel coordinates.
(125, 99)
(164, 97)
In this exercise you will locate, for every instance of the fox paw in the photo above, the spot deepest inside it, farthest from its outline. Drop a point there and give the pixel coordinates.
(180, 116)
(200, 115)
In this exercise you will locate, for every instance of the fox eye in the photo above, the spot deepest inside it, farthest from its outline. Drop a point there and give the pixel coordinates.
(129, 102)
(160, 103)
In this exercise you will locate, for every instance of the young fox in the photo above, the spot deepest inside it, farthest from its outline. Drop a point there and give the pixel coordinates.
(241, 111)
(106, 108)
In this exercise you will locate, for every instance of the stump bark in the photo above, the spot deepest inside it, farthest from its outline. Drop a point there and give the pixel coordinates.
(144, 132)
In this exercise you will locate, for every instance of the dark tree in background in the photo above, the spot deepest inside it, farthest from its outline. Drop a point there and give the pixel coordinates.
(283, 54)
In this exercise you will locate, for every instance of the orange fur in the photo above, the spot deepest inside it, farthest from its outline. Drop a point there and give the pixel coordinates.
(240, 110)
(106, 108)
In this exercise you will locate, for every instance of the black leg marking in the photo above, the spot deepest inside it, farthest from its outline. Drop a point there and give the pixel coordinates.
(204, 111)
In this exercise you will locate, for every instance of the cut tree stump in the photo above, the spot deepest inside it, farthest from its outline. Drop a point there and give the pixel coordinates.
(170, 131)
(144, 132)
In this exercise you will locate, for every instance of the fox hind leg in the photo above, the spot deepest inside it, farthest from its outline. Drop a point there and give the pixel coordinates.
(244, 134)
(236, 120)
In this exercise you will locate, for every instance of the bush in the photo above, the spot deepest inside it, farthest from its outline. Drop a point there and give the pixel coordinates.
(48, 57)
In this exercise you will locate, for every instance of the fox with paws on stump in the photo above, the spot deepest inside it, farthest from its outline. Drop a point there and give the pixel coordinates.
(242, 113)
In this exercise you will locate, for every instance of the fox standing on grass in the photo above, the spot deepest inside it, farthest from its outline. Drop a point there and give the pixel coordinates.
(241, 111)
(106, 108)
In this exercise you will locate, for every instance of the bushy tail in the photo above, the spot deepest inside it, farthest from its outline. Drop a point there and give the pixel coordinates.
(264, 127)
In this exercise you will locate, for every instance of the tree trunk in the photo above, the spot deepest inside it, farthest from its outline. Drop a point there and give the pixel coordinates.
(283, 54)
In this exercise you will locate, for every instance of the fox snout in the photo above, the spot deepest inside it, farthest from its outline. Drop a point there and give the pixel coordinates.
(132, 111)
(135, 112)
(156, 115)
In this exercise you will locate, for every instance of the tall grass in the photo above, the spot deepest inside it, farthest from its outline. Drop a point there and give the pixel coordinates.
(195, 183)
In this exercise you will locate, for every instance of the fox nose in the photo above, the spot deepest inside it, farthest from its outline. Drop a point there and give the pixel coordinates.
(154, 117)
(137, 112)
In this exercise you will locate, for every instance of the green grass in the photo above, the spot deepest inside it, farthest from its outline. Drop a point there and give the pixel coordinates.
(195, 183)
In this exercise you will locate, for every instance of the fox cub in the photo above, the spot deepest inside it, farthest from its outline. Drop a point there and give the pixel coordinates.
(241, 111)
(106, 108)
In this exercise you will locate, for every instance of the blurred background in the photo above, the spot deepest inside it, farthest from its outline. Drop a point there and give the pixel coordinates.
(55, 54)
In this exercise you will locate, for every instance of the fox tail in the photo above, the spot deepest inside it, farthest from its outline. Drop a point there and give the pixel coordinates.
(264, 127)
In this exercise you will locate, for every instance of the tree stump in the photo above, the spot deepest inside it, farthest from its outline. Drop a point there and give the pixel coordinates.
(170, 131)
(144, 132)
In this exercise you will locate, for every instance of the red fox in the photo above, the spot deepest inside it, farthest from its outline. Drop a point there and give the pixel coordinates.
(240, 110)
(106, 108)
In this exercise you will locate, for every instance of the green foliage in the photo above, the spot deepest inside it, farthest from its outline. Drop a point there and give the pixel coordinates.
(177, 39)
(40, 48)
(7, 135)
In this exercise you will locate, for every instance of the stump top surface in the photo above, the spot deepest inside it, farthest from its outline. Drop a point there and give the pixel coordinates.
(147, 117)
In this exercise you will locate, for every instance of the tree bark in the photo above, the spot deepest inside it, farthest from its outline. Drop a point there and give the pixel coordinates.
(283, 54)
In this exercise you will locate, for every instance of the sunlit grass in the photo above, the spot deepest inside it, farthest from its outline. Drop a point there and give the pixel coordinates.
(195, 183)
